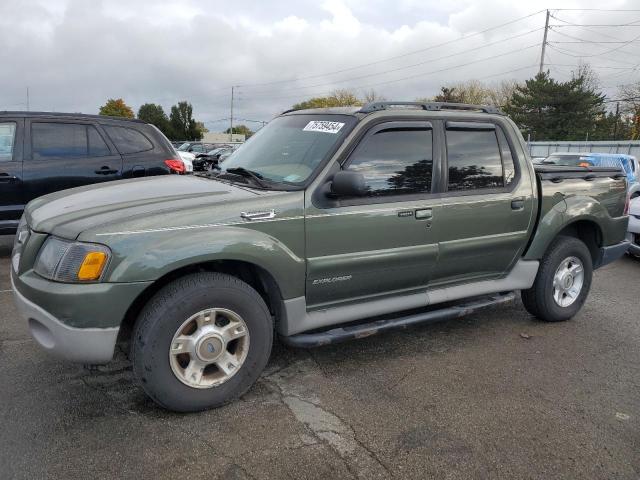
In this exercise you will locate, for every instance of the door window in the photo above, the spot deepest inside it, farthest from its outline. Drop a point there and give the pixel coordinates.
(474, 159)
(128, 140)
(7, 140)
(395, 161)
(66, 140)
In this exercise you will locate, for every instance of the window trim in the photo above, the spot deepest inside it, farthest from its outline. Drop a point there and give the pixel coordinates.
(482, 126)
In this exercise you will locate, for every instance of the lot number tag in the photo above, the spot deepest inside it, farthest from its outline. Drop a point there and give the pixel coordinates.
(323, 126)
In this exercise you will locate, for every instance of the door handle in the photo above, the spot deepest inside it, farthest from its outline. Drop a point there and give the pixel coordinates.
(106, 171)
(424, 214)
(6, 178)
(517, 204)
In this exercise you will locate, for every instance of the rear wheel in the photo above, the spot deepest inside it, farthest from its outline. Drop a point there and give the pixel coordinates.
(201, 341)
(563, 281)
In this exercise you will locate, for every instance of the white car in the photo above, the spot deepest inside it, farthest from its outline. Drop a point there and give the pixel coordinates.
(187, 158)
(633, 234)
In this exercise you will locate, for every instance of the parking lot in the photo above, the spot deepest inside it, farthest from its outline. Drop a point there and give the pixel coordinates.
(496, 394)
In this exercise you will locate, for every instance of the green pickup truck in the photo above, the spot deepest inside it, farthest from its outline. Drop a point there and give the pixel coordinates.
(328, 225)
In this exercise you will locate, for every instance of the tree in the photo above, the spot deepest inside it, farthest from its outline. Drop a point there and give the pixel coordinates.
(240, 130)
(630, 108)
(550, 110)
(154, 114)
(116, 108)
(183, 125)
(338, 98)
(371, 96)
(449, 95)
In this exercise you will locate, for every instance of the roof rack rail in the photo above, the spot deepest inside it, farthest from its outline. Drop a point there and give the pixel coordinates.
(431, 106)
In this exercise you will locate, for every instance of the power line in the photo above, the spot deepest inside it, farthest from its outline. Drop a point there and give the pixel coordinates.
(410, 77)
(424, 62)
(430, 47)
(598, 33)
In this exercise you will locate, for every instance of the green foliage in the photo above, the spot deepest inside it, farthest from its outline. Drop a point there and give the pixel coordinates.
(241, 130)
(154, 114)
(183, 125)
(550, 110)
(116, 108)
(339, 98)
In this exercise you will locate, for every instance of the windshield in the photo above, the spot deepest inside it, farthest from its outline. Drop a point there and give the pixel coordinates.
(184, 147)
(290, 148)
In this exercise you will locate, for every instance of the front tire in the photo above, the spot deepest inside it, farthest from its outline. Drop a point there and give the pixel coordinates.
(201, 341)
(562, 283)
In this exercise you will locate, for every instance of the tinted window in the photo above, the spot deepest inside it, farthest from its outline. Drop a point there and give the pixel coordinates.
(128, 140)
(474, 159)
(7, 139)
(97, 146)
(52, 140)
(395, 161)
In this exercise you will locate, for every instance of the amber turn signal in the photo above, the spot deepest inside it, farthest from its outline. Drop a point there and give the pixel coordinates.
(92, 266)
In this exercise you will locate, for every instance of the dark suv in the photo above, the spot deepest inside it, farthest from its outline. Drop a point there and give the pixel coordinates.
(44, 152)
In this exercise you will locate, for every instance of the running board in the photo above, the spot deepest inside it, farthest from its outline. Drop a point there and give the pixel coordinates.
(352, 332)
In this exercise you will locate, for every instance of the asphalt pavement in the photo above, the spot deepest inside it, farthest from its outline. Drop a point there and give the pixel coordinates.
(494, 395)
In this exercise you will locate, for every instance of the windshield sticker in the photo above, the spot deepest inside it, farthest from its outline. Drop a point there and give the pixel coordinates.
(291, 178)
(323, 126)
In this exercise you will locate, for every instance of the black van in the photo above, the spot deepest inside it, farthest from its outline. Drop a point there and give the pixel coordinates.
(41, 153)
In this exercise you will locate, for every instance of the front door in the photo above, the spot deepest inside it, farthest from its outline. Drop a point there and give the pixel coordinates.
(487, 207)
(11, 199)
(383, 242)
(66, 154)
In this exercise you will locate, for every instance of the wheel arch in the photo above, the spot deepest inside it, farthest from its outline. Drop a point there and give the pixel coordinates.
(254, 275)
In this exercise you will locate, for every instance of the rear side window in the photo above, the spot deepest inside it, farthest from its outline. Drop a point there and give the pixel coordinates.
(395, 161)
(66, 140)
(7, 140)
(128, 140)
(474, 160)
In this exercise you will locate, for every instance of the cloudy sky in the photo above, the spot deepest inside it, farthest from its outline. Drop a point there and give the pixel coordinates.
(74, 54)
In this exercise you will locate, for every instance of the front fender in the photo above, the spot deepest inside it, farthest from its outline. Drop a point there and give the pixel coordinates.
(149, 256)
(571, 210)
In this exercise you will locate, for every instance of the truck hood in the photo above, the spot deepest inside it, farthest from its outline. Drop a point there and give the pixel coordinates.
(148, 202)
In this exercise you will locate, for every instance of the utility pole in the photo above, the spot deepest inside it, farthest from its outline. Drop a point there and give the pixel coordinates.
(544, 42)
(231, 118)
(615, 127)
(27, 99)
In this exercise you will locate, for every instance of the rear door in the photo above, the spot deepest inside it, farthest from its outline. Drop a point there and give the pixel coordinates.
(381, 243)
(63, 154)
(486, 207)
(11, 195)
(143, 147)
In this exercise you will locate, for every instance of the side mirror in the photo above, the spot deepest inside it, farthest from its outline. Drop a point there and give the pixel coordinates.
(348, 184)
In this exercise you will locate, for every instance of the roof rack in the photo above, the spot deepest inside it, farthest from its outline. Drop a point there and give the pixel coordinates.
(431, 106)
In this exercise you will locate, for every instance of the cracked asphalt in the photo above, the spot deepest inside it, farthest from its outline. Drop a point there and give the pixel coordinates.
(494, 395)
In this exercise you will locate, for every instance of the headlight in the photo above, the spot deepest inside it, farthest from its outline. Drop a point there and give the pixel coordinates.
(65, 261)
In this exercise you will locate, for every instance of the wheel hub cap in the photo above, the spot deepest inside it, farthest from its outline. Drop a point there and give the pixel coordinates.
(209, 348)
(568, 281)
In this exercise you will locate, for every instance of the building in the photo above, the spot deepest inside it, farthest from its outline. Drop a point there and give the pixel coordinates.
(214, 137)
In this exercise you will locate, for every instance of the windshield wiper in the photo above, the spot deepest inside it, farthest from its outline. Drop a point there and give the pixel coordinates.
(243, 172)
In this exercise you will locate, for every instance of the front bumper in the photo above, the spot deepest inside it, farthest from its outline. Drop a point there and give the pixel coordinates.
(84, 345)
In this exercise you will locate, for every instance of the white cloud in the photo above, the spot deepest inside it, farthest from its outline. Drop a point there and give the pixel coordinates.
(75, 54)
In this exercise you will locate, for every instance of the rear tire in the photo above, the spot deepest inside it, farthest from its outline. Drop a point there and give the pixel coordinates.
(562, 283)
(201, 341)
